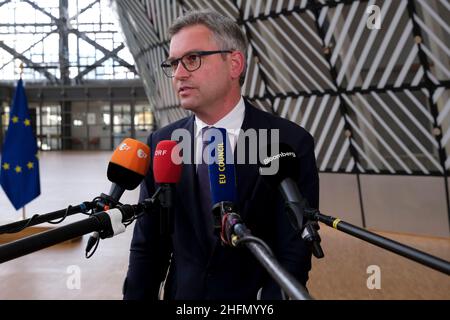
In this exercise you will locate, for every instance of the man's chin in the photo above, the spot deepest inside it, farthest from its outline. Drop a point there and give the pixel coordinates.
(188, 106)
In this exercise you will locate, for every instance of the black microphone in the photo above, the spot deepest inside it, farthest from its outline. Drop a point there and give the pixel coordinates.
(286, 162)
(288, 168)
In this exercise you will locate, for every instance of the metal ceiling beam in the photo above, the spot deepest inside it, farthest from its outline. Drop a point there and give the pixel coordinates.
(83, 10)
(63, 27)
(4, 2)
(39, 68)
(64, 41)
(98, 63)
(27, 24)
(35, 6)
(29, 48)
(105, 51)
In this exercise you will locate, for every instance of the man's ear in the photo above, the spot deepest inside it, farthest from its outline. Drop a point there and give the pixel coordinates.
(237, 64)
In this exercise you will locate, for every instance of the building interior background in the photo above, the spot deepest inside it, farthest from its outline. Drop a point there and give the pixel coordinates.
(375, 98)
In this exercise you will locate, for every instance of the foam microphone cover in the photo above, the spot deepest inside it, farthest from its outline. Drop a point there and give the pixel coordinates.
(286, 160)
(129, 164)
(167, 162)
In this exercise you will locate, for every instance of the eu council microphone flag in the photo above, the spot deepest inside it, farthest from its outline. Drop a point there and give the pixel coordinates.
(19, 173)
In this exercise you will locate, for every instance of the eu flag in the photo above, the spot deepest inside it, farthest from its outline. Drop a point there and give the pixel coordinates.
(19, 173)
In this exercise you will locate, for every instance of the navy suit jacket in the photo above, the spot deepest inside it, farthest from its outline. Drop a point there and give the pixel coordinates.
(200, 269)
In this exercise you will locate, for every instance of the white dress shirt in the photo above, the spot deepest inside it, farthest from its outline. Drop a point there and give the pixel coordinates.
(232, 122)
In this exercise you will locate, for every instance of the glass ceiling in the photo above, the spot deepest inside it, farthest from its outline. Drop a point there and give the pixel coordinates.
(30, 32)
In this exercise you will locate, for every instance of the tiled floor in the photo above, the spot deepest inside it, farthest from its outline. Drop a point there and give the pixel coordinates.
(349, 263)
(70, 178)
(67, 178)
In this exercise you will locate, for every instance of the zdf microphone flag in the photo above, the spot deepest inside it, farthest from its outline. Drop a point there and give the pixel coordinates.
(19, 173)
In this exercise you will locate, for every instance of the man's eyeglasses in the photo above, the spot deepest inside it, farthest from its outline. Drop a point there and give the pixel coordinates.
(191, 61)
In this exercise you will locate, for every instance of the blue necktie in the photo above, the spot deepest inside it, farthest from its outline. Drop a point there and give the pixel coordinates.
(205, 189)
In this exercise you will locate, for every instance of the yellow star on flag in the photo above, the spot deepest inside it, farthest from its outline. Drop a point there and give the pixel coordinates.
(18, 169)
(27, 122)
(6, 166)
(30, 165)
(15, 119)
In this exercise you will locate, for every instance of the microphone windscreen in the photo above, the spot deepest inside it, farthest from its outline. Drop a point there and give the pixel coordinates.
(221, 172)
(284, 159)
(167, 162)
(129, 164)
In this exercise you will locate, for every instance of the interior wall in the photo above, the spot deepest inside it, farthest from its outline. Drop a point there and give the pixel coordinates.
(405, 204)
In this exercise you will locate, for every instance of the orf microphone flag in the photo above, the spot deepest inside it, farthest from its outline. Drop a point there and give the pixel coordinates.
(19, 175)
(165, 169)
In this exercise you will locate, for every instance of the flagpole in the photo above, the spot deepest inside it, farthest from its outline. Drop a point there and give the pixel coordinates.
(24, 215)
(21, 69)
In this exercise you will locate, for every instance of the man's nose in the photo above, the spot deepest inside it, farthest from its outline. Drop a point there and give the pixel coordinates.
(181, 72)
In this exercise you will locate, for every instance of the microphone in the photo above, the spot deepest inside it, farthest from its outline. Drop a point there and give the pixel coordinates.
(298, 208)
(126, 169)
(222, 180)
(167, 162)
(288, 168)
(167, 172)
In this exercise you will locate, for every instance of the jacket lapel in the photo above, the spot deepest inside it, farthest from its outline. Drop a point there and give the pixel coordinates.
(188, 191)
(247, 175)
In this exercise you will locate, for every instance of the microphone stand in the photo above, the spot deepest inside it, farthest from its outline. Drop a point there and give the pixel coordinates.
(100, 222)
(165, 198)
(106, 223)
(101, 203)
(308, 231)
(234, 233)
(380, 241)
(41, 218)
(295, 211)
(162, 198)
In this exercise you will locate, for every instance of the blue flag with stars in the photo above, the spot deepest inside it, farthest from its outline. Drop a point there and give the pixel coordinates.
(19, 173)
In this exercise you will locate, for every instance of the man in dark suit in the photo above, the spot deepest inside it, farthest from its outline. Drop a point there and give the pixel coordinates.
(207, 62)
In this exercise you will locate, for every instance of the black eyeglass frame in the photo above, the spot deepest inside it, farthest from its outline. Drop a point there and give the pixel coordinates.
(168, 64)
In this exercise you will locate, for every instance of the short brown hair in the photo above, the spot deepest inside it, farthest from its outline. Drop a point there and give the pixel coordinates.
(227, 33)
